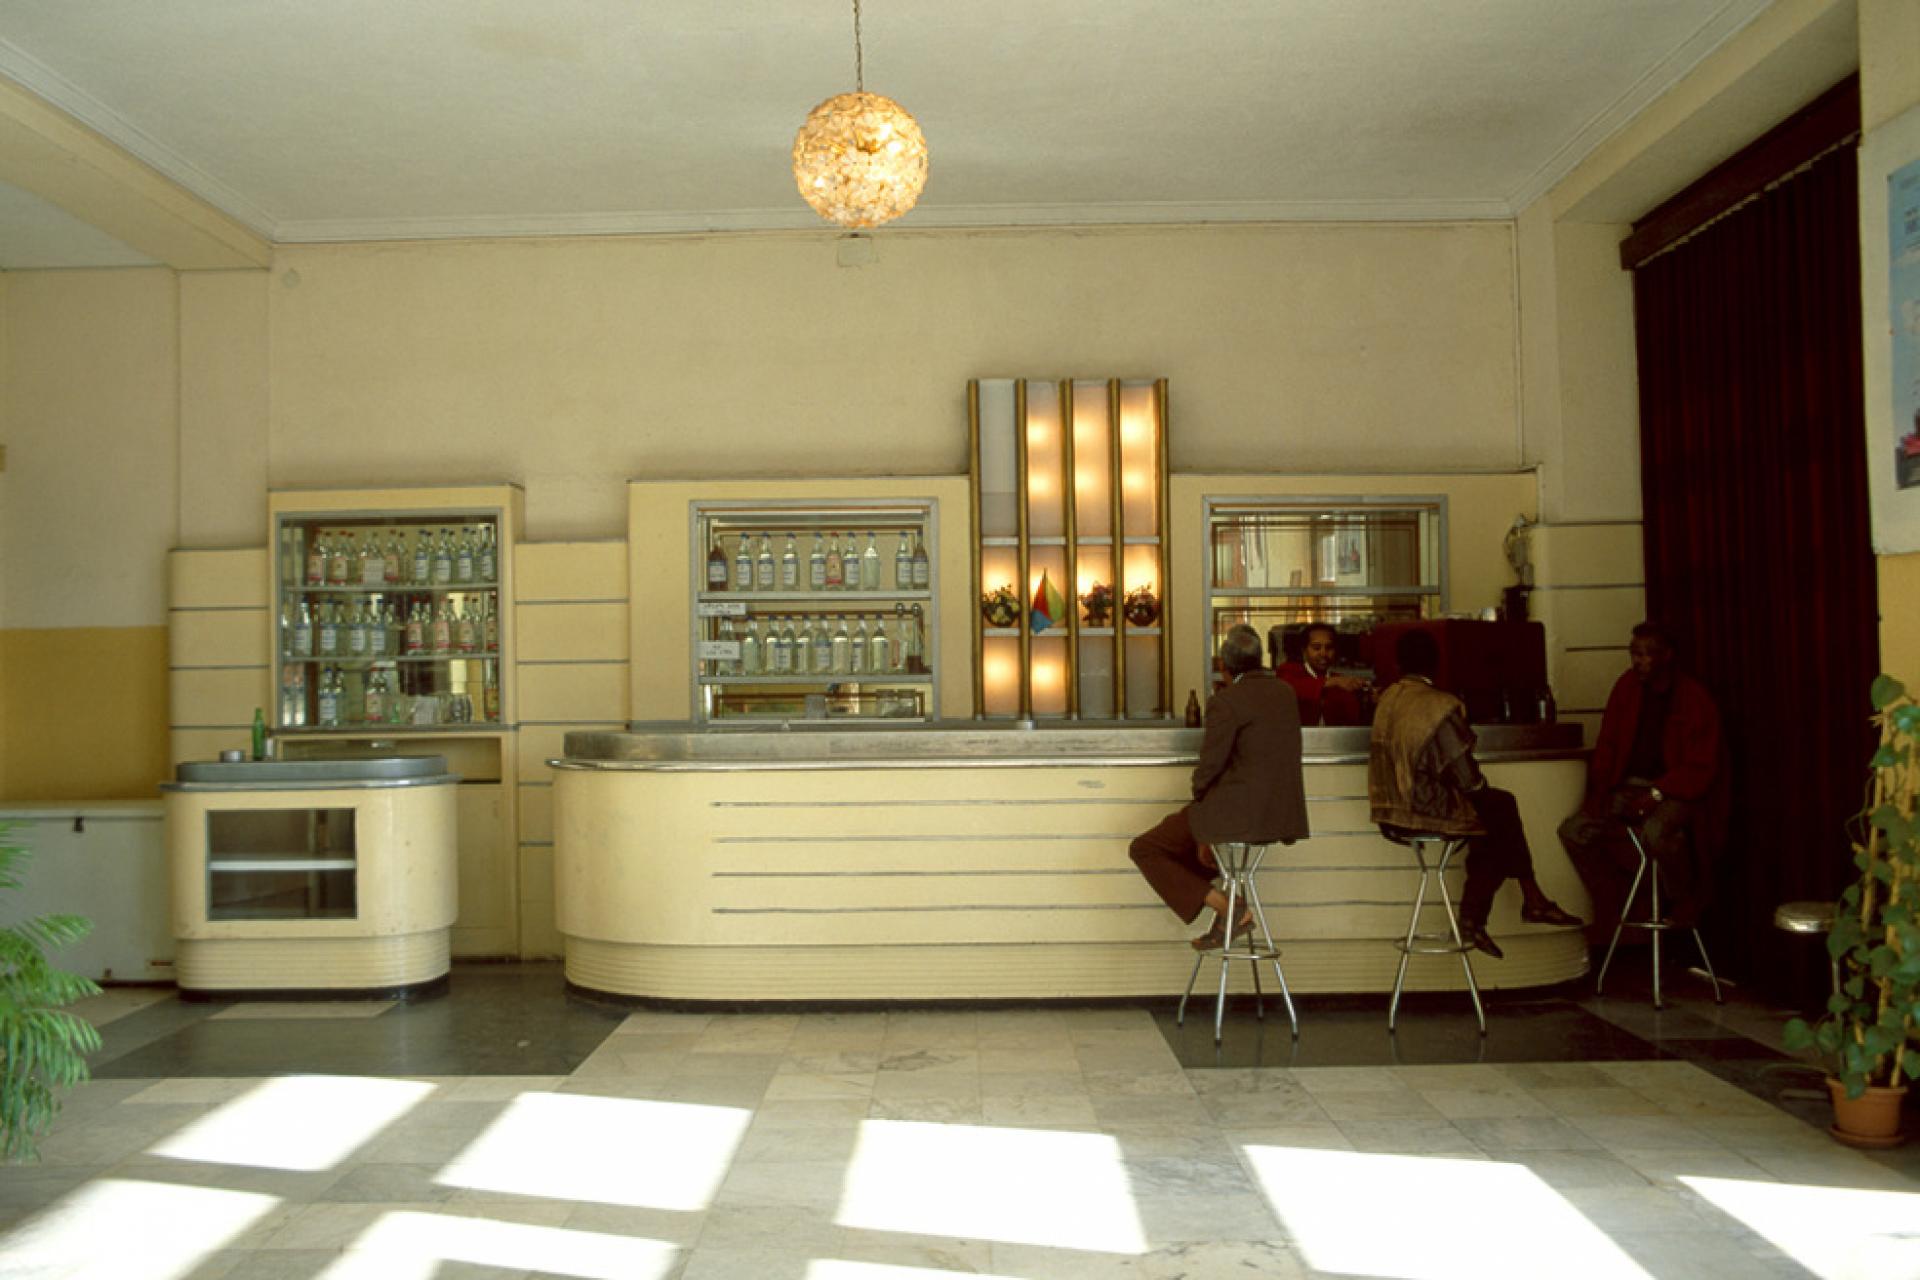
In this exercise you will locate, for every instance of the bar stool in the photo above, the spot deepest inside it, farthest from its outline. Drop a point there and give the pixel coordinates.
(1432, 872)
(1239, 863)
(1653, 924)
(1815, 918)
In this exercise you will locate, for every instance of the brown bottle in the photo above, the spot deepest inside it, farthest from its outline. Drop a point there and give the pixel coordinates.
(1193, 709)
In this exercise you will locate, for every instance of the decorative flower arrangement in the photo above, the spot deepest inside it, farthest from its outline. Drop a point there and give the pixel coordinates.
(1096, 606)
(1000, 607)
(1142, 607)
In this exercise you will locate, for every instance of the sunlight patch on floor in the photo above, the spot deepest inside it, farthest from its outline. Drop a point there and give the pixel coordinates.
(1836, 1233)
(302, 1123)
(1016, 1186)
(623, 1151)
(837, 1269)
(409, 1245)
(1431, 1218)
(131, 1230)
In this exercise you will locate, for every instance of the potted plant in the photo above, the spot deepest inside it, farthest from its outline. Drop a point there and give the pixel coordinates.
(1142, 607)
(43, 1048)
(1000, 607)
(1876, 940)
(1096, 606)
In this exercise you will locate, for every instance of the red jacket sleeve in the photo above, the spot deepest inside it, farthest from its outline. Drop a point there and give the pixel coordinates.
(1615, 740)
(1691, 743)
(1306, 690)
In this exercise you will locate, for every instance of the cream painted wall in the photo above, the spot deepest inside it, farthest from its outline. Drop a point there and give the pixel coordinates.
(575, 365)
(223, 408)
(92, 449)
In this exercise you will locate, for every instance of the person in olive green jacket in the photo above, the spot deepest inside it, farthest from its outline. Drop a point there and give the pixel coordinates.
(1247, 787)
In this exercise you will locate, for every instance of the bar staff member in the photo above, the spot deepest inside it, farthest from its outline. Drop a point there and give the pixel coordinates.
(1325, 697)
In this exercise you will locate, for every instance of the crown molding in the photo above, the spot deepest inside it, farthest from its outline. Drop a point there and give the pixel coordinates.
(1729, 21)
(56, 90)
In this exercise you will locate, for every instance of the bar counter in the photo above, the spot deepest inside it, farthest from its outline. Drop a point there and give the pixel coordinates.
(959, 861)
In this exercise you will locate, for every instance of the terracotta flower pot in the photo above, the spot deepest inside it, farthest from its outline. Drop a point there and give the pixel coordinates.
(1870, 1120)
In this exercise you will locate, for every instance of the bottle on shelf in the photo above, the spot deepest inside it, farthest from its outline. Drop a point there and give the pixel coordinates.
(763, 571)
(299, 629)
(466, 628)
(842, 647)
(903, 565)
(489, 625)
(836, 565)
(743, 564)
(373, 562)
(376, 703)
(487, 564)
(803, 647)
(422, 568)
(779, 648)
(790, 566)
(716, 567)
(440, 636)
(443, 558)
(490, 694)
(857, 651)
(329, 710)
(822, 648)
(879, 649)
(317, 555)
(922, 567)
(870, 565)
(340, 562)
(463, 555)
(727, 666)
(293, 697)
(817, 565)
(396, 558)
(326, 631)
(357, 629)
(750, 649)
(379, 628)
(414, 641)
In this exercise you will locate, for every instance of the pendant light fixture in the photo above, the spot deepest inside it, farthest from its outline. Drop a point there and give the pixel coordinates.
(860, 158)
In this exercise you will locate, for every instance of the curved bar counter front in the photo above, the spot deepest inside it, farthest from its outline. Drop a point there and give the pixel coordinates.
(333, 876)
(966, 863)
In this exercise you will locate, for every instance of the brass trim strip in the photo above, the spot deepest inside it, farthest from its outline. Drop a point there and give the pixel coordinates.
(1022, 600)
(1115, 489)
(1160, 428)
(974, 536)
(1069, 497)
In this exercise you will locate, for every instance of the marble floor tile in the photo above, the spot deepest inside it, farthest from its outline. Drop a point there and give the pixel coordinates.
(794, 1146)
(1025, 1084)
(1409, 1137)
(1052, 1058)
(811, 1113)
(929, 1062)
(1561, 1169)
(1500, 1137)
(1374, 1104)
(650, 1021)
(1316, 1135)
(820, 1085)
(1484, 1104)
(815, 1185)
(1051, 1110)
(1139, 1084)
(892, 1085)
(1643, 1133)
(1178, 1219)
(947, 1110)
(1605, 1100)
(1122, 1111)
(829, 1062)
(305, 1010)
(1265, 1109)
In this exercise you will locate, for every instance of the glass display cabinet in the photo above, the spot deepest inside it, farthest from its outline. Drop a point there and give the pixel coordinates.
(814, 611)
(388, 620)
(1352, 562)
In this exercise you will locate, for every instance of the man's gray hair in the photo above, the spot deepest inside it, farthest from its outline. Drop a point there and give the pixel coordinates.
(1240, 650)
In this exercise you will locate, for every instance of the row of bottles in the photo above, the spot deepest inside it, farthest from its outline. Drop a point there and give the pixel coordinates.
(826, 567)
(375, 558)
(343, 697)
(825, 646)
(375, 627)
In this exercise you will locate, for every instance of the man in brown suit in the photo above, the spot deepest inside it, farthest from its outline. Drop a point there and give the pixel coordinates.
(1246, 787)
(1422, 778)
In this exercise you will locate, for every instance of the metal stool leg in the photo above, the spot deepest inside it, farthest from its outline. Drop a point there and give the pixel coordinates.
(1712, 977)
(1413, 930)
(1180, 1018)
(1286, 997)
(1453, 924)
(1633, 891)
(1226, 950)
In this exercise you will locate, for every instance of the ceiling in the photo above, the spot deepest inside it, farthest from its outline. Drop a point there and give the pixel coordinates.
(370, 119)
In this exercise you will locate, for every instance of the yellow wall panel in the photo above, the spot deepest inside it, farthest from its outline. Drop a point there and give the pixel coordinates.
(218, 638)
(572, 571)
(1579, 618)
(226, 695)
(536, 813)
(573, 691)
(207, 744)
(540, 937)
(1587, 554)
(487, 923)
(572, 632)
(540, 743)
(1584, 679)
(219, 579)
(86, 712)
(536, 873)
(1900, 617)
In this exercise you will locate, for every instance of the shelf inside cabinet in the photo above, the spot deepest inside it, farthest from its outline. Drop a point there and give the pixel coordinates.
(860, 678)
(389, 588)
(342, 660)
(823, 598)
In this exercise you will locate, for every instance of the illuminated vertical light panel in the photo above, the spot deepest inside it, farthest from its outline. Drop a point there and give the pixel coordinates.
(1093, 506)
(1000, 663)
(1046, 489)
(999, 495)
(1050, 675)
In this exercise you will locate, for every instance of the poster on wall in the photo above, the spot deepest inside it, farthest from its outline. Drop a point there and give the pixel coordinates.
(1890, 252)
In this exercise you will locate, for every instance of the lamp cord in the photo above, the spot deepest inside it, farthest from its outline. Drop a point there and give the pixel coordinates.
(859, 60)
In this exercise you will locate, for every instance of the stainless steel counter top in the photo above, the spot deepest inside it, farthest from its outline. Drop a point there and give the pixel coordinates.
(680, 747)
(310, 775)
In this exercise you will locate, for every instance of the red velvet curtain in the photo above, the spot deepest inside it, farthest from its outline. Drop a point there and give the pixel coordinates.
(1758, 551)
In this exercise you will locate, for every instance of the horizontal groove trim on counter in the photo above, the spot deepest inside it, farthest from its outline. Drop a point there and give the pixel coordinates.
(1030, 907)
(1014, 837)
(1396, 869)
(955, 804)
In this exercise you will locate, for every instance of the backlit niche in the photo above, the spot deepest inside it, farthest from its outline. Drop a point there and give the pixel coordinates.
(1069, 558)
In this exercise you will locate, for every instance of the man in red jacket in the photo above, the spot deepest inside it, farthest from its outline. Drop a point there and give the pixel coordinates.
(1654, 767)
(1325, 697)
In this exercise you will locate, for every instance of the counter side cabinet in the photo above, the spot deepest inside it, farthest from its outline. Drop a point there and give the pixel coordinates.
(388, 620)
(814, 611)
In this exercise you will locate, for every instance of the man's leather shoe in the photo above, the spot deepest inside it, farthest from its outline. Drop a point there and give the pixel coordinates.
(1475, 936)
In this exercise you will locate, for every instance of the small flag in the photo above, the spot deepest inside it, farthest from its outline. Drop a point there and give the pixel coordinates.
(1049, 606)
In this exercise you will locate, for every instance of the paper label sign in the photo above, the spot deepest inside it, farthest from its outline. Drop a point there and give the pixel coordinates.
(718, 650)
(721, 609)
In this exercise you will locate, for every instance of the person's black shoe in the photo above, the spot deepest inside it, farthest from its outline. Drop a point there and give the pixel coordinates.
(1475, 936)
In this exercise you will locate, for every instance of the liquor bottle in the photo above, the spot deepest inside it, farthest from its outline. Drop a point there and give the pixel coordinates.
(763, 573)
(779, 649)
(463, 555)
(803, 648)
(750, 649)
(817, 565)
(1194, 718)
(357, 630)
(486, 565)
(259, 734)
(293, 697)
(329, 697)
(373, 562)
(903, 566)
(375, 704)
(795, 647)
(340, 562)
(422, 561)
(490, 693)
(727, 666)
(857, 650)
(441, 634)
(743, 564)
(922, 570)
(879, 655)
(716, 567)
(300, 634)
(842, 648)
(790, 567)
(396, 557)
(870, 566)
(443, 558)
(489, 625)
(416, 636)
(466, 629)
(317, 555)
(379, 632)
(835, 565)
(326, 635)
(822, 648)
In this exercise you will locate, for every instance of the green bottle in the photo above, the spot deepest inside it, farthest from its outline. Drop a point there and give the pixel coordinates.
(259, 734)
